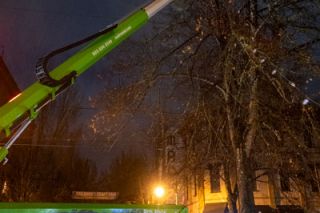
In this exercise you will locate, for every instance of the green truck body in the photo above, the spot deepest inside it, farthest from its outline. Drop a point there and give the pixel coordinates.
(88, 208)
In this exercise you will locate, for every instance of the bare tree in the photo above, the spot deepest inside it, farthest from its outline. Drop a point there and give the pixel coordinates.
(244, 65)
(44, 164)
(130, 175)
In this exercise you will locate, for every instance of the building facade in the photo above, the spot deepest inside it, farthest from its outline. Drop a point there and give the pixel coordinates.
(273, 192)
(204, 190)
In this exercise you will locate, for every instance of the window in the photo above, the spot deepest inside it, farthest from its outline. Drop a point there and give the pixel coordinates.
(171, 140)
(315, 181)
(284, 182)
(314, 185)
(171, 156)
(195, 185)
(214, 172)
(254, 181)
(307, 134)
(187, 182)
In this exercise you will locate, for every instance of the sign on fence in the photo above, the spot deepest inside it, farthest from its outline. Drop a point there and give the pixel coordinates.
(94, 195)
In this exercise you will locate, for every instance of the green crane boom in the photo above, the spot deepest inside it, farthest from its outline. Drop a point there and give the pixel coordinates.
(17, 114)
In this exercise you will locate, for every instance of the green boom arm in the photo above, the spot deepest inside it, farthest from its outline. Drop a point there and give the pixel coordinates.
(29, 102)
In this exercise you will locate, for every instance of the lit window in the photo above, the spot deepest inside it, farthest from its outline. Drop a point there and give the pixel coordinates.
(315, 178)
(195, 185)
(214, 171)
(284, 182)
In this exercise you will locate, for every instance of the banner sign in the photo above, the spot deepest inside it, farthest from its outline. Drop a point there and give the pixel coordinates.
(78, 195)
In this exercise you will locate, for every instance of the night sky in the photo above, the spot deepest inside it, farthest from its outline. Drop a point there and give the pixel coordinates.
(30, 29)
(33, 28)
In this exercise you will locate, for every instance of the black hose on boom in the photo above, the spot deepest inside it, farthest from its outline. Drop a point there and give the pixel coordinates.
(41, 67)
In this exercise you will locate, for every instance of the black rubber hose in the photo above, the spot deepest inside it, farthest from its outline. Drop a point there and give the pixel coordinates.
(41, 68)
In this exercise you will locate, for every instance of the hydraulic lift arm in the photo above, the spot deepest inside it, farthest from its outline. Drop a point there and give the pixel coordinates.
(17, 114)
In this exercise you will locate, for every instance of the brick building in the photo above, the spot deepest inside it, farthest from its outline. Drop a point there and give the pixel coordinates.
(8, 86)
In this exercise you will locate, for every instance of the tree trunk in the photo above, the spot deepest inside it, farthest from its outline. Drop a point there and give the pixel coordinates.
(244, 171)
(244, 152)
(232, 191)
(243, 149)
(232, 203)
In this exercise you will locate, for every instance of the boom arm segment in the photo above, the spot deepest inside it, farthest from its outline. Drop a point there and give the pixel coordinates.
(25, 107)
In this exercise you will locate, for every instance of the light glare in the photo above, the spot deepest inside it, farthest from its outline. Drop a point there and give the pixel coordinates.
(159, 191)
(14, 98)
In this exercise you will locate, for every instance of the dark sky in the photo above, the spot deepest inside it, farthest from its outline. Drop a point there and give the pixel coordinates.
(30, 29)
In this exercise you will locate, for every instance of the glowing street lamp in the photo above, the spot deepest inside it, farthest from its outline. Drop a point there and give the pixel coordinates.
(159, 192)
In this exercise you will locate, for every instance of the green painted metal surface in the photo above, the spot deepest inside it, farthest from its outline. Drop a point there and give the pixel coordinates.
(30, 99)
(88, 208)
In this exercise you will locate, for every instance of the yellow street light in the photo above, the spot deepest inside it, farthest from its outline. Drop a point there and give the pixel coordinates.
(159, 191)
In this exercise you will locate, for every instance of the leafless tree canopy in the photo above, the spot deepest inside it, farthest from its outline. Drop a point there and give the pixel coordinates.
(239, 74)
